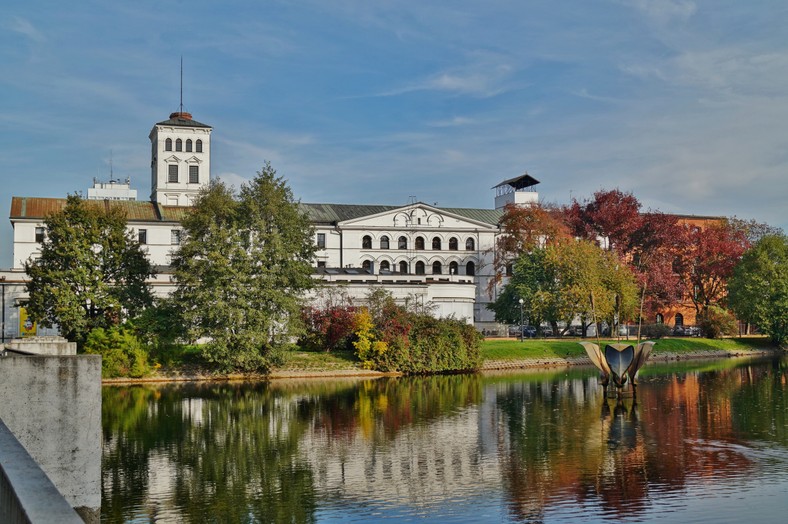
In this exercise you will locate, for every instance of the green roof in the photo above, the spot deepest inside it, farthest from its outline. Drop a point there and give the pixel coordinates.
(333, 213)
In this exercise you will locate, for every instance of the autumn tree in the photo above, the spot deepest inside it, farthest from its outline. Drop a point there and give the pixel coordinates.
(566, 280)
(758, 289)
(91, 272)
(705, 259)
(242, 270)
(612, 216)
(523, 229)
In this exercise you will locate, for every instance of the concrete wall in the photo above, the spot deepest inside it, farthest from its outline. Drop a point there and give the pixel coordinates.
(52, 404)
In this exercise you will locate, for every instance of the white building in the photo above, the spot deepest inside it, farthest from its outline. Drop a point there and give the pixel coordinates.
(439, 256)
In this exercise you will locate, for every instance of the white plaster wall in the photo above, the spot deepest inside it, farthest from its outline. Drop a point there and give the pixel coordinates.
(182, 192)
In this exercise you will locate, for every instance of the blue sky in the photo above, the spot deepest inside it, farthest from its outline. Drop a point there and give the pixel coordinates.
(682, 102)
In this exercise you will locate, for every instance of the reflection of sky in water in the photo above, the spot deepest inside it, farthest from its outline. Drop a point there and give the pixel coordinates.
(699, 446)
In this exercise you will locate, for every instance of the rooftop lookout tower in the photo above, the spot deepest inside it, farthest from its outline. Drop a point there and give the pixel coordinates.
(518, 191)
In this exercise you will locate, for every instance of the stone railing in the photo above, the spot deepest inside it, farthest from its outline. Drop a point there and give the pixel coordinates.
(26, 493)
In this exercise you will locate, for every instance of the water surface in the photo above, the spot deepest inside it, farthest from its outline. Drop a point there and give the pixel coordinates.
(704, 442)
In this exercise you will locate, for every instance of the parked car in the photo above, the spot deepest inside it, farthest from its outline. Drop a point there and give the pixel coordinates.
(529, 332)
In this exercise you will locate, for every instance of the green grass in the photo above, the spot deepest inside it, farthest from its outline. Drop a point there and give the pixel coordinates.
(507, 349)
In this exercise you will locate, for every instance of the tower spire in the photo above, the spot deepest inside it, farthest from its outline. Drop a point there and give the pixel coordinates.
(180, 108)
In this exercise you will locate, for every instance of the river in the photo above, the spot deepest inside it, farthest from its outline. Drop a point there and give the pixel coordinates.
(705, 441)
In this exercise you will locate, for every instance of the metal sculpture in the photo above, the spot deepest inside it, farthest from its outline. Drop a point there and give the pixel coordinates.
(619, 362)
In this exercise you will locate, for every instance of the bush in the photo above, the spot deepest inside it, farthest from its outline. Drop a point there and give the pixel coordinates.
(716, 322)
(327, 329)
(655, 331)
(122, 353)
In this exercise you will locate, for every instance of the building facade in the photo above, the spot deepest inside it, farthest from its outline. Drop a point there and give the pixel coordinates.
(441, 257)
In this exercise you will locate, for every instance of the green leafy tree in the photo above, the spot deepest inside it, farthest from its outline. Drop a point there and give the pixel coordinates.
(758, 290)
(91, 272)
(242, 269)
(557, 283)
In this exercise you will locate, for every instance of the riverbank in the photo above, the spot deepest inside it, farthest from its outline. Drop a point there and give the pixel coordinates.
(497, 354)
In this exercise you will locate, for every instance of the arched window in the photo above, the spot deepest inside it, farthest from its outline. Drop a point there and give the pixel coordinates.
(679, 319)
(385, 266)
(454, 268)
(179, 145)
(470, 269)
(436, 268)
(367, 265)
(168, 144)
(366, 242)
(470, 245)
(419, 242)
(419, 268)
(660, 318)
(403, 267)
(198, 147)
(189, 145)
(402, 243)
(436, 243)
(384, 242)
(453, 244)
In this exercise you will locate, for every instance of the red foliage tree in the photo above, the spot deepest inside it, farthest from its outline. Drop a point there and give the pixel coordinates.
(705, 260)
(612, 216)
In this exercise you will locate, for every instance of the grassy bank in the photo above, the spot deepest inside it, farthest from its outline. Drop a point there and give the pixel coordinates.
(509, 349)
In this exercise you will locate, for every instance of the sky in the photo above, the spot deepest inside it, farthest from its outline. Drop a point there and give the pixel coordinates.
(683, 103)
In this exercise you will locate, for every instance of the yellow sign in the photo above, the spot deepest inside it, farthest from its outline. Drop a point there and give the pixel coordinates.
(27, 328)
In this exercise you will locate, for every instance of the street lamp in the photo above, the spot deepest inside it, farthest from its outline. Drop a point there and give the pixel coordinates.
(521, 319)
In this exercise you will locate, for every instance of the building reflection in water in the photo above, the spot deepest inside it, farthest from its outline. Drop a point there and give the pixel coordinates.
(532, 444)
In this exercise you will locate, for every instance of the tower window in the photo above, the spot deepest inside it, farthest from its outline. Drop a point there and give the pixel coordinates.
(179, 145)
(168, 144)
(142, 236)
(189, 145)
(198, 146)
(172, 175)
(194, 174)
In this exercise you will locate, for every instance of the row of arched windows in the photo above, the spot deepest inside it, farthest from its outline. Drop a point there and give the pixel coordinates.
(179, 145)
(419, 243)
(420, 267)
(678, 319)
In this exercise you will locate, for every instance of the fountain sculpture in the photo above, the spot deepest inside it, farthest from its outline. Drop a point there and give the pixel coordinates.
(619, 362)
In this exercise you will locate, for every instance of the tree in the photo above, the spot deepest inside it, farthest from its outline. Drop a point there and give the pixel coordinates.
(758, 289)
(523, 229)
(557, 283)
(705, 260)
(612, 215)
(91, 272)
(242, 270)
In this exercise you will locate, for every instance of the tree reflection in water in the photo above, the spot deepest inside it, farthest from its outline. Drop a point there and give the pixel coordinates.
(523, 445)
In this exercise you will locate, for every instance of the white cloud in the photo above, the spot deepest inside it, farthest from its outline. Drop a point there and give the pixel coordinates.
(665, 11)
(24, 27)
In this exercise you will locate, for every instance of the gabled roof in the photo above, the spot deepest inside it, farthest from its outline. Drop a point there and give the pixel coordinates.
(334, 213)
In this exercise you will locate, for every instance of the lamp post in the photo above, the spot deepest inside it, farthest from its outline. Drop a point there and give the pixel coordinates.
(521, 319)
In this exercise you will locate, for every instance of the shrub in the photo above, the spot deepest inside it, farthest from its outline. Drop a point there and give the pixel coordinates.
(716, 322)
(327, 329)
(122, 353)
(655, 331)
